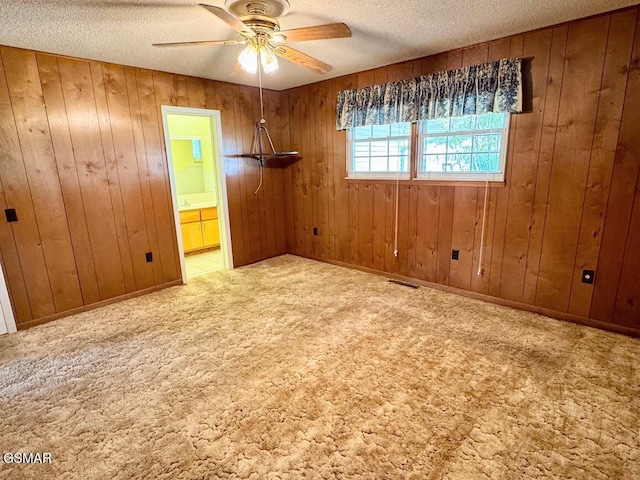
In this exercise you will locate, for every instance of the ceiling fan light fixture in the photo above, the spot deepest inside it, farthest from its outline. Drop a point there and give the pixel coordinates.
(268, 59)
(248, 59)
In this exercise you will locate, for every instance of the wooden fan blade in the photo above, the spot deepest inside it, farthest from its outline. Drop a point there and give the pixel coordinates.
(230, 20)
(205, 42)
(300, 58)
(319, 32)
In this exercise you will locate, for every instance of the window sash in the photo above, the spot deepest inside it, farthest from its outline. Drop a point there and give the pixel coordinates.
(494, 175)
(352, 158)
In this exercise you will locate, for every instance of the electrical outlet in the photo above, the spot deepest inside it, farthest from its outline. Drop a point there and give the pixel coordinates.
(455, 254)
(149, 256)
(588, 276)
(315, 231)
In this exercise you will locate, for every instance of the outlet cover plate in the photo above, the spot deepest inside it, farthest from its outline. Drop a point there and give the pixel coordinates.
(588, 276)
(11, 215)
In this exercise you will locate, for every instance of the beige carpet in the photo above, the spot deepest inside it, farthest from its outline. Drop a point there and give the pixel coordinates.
(293, 369)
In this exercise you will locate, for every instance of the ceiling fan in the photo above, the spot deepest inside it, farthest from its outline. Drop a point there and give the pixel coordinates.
(256, 22)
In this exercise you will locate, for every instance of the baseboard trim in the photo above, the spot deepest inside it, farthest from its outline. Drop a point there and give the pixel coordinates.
(588, 322)
(92, 306)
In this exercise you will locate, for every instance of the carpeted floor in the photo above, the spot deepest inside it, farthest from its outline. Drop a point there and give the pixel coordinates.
(295, 369)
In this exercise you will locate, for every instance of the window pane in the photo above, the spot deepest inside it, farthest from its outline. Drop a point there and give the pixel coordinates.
(494, 143)
(438, 125)
(398, 164)
(361, 133)
(448, 164)
(494, 166)
(483, 122)
(435, 145)
(460, 162)
(400, 129)
(486, 143)
(398, 147)
(361, 149)
(361, 165)
(480, 143)
(381, 131)
(463, 123)
(434, 163)
(497, 119)
(490, 121)
(485, 162)
(379, 149)
(378, 164)
(460, 143)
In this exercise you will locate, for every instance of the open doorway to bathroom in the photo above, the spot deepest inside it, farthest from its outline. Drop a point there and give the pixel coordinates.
(198, 188)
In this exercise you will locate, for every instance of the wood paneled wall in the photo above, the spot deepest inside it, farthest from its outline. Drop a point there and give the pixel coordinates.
(572, 195)
(83, 162)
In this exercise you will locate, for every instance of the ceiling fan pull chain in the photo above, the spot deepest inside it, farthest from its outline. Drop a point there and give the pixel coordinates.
(273, 149)
(261, 176)
(484, 222)
(262, 120)
(257, 141)
(259, 128)
(395, 235)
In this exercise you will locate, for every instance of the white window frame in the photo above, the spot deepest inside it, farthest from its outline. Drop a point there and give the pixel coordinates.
(351, 143)
(497, 176)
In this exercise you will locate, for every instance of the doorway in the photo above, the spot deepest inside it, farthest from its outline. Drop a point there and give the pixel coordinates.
(194, 152)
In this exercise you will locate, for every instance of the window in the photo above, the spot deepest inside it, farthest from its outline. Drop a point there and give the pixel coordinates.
(380, 151)
(472, 147)
(468, 148)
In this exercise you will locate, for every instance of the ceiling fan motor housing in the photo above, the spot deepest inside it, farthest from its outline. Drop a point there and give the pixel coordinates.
(261, 24)
(264, 8)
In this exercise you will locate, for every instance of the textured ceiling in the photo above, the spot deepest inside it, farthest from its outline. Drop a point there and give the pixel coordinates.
(384, 32)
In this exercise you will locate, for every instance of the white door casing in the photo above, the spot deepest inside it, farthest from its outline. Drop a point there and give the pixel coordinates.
(223, 204)
(7, 320)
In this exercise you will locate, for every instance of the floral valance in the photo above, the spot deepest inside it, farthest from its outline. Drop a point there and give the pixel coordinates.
(477, 89)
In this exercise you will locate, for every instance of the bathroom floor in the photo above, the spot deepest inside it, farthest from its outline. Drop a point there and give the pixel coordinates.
(204, 263)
